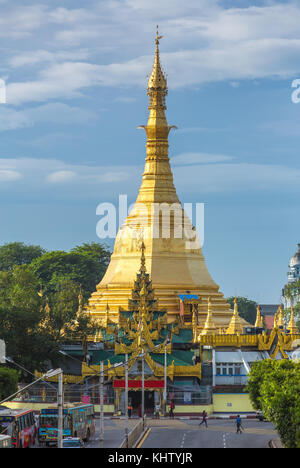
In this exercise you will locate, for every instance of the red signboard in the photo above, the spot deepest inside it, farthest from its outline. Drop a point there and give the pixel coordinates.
(138, 384)
(85, 399)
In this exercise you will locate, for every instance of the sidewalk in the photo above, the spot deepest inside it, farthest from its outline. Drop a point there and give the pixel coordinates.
(210, 416)
(276, 443)
(114, 433)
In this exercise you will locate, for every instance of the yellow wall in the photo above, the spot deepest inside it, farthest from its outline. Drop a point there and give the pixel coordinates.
(192, 409)
(232, 403)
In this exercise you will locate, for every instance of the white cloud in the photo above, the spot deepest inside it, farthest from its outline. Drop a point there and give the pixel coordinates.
(43, 56)
(58, 113)
(35, 172)
(61, 177)
(9, 176)
(219, 177)
(203, 43)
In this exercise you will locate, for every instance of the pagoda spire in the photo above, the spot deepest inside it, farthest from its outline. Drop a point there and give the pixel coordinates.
(259, 320)
(157, 185)
(209, 327)
(279, 321)
(235, 326)
(292, 327)
(157, 78)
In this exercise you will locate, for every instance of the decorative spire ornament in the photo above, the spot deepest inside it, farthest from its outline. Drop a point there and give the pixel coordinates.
(292, 327)
(279, 318)
(235, 326)
(259, 319)
(209, 327)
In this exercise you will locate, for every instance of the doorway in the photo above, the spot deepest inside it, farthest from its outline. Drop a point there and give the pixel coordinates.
(135, 398)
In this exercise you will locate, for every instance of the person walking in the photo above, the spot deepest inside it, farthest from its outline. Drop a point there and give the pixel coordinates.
(157, 410)
(204, 419)
(239, 426)
(129, 410)
(172, 407)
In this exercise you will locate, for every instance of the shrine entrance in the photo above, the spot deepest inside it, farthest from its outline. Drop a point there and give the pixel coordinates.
(135, 397)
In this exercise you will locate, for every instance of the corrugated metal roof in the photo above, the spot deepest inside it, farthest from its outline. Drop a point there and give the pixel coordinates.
(235, 356)
(228, 356)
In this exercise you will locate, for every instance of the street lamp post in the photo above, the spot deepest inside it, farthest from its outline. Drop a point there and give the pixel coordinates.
(165, 382)
(101, 401)
(143, 385)
(126, 399)
(60, 402)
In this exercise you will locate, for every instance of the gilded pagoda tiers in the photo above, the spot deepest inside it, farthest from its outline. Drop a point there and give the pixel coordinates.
(173, 256)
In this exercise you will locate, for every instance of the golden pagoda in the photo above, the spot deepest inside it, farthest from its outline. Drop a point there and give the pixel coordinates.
(292, 327)
(209, 327)
(259, 323)
(174, 259)
(236, 325)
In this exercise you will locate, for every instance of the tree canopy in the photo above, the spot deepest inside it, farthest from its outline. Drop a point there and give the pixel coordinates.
(8, 382)
(42, 296)
(274, 388)
(17, 253)
(84, 265)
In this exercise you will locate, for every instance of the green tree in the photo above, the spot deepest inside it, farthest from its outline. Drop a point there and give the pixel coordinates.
(17, 253)
(292, 290)
(20, 315)
(274, 387)
(247, 308)
(63, 304)
(85, 265)
(8, 382)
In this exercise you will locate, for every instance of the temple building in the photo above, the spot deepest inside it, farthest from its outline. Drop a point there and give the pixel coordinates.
(158, 310)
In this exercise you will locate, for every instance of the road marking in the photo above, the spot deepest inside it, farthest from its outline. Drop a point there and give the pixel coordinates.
(144, 437)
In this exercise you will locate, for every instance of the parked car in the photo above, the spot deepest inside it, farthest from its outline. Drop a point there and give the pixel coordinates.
(260, 416)
(73, 442)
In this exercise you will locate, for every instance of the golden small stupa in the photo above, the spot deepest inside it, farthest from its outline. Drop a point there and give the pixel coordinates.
(176, 266)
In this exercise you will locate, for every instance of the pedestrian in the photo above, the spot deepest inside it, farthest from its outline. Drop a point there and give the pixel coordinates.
(157, 410)
(204, 419)
(172, 407)
(239, 426)
(129, 410)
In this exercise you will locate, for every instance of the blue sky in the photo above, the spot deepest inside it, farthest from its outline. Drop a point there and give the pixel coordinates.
(75, 78)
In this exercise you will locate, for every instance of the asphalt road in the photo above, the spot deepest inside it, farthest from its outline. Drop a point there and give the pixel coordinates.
(220, 434)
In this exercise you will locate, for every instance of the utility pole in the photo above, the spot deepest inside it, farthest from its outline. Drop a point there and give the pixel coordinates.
(143, 386)
(126, 399)
(101, 401)
(165, 382)
(60, 403)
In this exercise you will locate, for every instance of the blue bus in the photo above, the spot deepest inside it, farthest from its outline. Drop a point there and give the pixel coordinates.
(78, 421)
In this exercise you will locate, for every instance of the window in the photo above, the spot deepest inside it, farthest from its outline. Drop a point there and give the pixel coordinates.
(228, 369)
(21, 423)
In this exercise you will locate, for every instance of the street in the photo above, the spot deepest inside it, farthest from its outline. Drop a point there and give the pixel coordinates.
(220, 434)
(186, 434)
